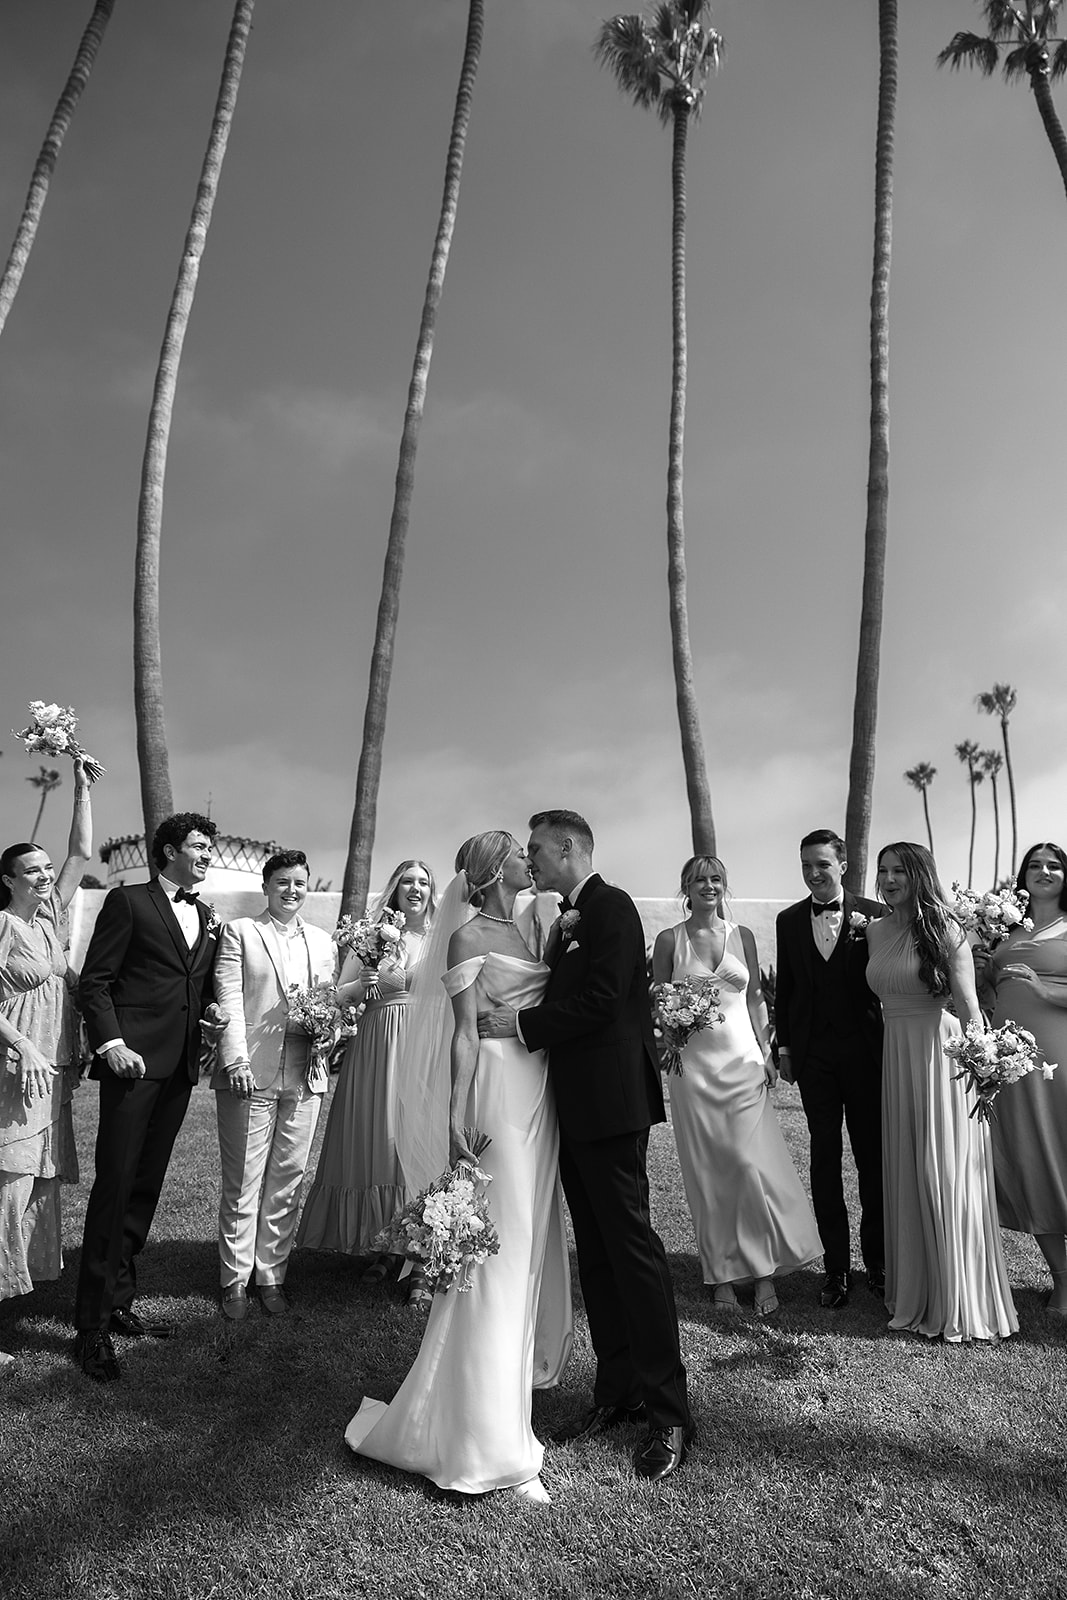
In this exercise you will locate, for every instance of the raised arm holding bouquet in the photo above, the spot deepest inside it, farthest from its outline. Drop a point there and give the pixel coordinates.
(38, 1052)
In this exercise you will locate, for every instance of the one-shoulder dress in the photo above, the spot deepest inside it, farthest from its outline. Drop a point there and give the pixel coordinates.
(37, 1150)
(1030, 1130)
(750, 1214)
(944, 1266)
(462, 1415)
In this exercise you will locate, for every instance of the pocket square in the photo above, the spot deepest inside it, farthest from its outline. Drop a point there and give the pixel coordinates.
(574, 945)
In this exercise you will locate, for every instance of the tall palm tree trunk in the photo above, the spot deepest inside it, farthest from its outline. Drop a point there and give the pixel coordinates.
(368, 777)
(926, 814)
(40, 813)
(1011, 795)
(156, 795)
(1039, 81)
(693, 759)
(974, 825)
(49, 155)
(996, 830)
(865, 707)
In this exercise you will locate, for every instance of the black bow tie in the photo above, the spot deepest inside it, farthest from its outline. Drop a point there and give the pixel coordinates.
(819, 906)
(192, 895)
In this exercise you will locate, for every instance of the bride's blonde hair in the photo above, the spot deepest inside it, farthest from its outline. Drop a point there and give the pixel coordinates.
(481, 859)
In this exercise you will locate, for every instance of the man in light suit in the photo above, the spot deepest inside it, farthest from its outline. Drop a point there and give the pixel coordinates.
(269, 1084)
(145, 988)
(829, 1027)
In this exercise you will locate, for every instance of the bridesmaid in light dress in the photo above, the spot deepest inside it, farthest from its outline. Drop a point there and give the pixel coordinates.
(752, 1219)
(945, 1273)
(1030, 1131)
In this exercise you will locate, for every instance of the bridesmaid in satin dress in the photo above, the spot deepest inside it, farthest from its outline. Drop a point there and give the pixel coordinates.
(751, 1217)
(1030, 1131)
(944, 1270)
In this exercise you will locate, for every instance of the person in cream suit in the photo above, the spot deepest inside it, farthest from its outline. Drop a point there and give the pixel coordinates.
(269, 1087)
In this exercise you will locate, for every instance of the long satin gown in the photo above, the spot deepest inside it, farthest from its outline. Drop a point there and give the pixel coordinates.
(944, 1266)
(1030, 1131)
(462, 1415)
(750, 1214)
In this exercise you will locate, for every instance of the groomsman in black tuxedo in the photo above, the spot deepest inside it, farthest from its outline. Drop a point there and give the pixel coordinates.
(596, 1024)
(829, 1027)
(145, 983)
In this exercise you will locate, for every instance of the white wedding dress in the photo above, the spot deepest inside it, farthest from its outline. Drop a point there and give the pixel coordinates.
(462, 1415)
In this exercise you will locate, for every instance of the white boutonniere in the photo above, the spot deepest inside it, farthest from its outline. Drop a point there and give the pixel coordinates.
(214, 921)
(568, 922)
(858, 925)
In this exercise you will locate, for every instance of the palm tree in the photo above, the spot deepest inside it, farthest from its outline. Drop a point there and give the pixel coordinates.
(865, 704)
(1000, 701)
(992, 761)
(47, 780)
(662, 61)
(156, 795)
(1029, 27)
(968, 754)
(921, 776)
(49, 155)
(368, 777)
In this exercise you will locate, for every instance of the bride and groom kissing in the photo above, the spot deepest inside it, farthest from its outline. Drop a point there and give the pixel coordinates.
(555, 1060)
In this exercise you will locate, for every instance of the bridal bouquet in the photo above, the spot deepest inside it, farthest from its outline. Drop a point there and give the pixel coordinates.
(989, 1059)
(991, 916)
(682, 1009)
(371, 941)
(447, 1227)
(50, 732)
(319, 1013)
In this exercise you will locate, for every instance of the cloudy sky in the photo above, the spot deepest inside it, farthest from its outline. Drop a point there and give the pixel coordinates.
(533, 663)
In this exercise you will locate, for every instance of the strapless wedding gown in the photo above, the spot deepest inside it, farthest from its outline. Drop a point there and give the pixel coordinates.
(462, 1415)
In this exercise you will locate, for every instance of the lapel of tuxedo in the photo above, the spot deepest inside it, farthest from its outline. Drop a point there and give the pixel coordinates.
(272, 945)
(161, 900)
(806, 939)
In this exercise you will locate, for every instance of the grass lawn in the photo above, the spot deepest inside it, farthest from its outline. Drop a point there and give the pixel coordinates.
(833, 1458)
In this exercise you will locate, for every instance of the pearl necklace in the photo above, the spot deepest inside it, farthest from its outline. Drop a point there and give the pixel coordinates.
(509, 922)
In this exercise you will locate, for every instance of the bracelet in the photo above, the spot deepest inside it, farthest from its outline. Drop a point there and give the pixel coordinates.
(239, 1066)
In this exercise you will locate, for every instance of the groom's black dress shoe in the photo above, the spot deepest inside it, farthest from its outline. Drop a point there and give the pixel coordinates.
(125, 1320)
(835, 1290)
(95, 1354)
(876, 1281)
(662, 1451)
(598, 1419)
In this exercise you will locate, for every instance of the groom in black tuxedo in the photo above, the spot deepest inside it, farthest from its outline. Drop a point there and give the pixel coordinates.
(596, 1024)
(829, 1027)
(145, 983)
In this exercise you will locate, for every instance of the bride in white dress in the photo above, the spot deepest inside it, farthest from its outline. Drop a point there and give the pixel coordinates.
(462, 1415)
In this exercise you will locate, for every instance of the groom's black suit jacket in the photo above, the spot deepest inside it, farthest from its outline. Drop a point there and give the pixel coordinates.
(143, 984)
(857, 1011)
(596, 1023)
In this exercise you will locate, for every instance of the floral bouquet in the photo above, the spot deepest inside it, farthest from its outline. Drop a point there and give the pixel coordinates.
(990, 1059)
(682, 1009)
(50, 732)
(991, 916)
(371, 940)
(318, 1012)
(447, 1227)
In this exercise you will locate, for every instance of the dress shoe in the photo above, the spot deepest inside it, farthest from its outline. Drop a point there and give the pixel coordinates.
(598, 1419)
(272, 1299)
(95, 1353)
(876, 1281)
(662, 1451)
(235, 1303)
(835, 1290)
(125, 1320)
